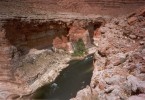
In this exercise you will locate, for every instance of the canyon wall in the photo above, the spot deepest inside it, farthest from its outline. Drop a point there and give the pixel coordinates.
(42, 8)
(119, 64)
(21, 40)
(37, 24)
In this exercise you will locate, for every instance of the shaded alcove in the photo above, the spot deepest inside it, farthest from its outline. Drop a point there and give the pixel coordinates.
(25, 35)
(93, 26)
(39, 34)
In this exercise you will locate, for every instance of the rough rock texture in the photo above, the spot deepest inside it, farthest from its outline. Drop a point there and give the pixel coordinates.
(41, 8)
(31, 71)
(31, 50)
(31, 25)
(119, 72)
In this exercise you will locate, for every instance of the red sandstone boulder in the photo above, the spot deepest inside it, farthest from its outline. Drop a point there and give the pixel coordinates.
(132, 20)
(137, 16)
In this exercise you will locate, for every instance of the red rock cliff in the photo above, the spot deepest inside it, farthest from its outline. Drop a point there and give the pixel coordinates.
(42, 7)
(17, 37)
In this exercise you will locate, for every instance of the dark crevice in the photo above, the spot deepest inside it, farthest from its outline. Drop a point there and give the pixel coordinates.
(102, 54)
(137, 92)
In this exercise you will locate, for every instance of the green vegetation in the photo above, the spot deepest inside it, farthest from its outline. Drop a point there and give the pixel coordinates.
(80, 49)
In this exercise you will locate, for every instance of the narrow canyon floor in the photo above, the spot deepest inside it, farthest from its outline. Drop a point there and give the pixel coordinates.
(35, 51)
(72, 79)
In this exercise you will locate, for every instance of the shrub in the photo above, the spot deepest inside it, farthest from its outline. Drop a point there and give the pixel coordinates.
(80, 49)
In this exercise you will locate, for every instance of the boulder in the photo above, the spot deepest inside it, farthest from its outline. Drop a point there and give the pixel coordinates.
(132, 20)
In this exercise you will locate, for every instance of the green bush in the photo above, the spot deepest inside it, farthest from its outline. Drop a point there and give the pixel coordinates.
(80, 49)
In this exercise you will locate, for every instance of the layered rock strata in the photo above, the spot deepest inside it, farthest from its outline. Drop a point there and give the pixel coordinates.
(119, 60)
(29, 51)
(28, 26)
(42, 8)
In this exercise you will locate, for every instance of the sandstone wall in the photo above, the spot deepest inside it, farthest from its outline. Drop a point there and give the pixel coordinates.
(41, 8)
(18, 36)
(20, 39)
(5, 57)
(33, 34)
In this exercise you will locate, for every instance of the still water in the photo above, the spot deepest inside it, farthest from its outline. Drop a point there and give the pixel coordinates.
(72, 79)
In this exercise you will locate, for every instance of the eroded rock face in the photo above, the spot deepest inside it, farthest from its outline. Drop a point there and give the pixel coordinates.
(119, 61)
(33, 34)
(120, 42)
(26, 51)
(42, 8)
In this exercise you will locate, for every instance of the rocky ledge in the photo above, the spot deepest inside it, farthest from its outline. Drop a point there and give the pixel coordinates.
(38, 68)
(119, 64)
(27, 62)
(34, 51)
